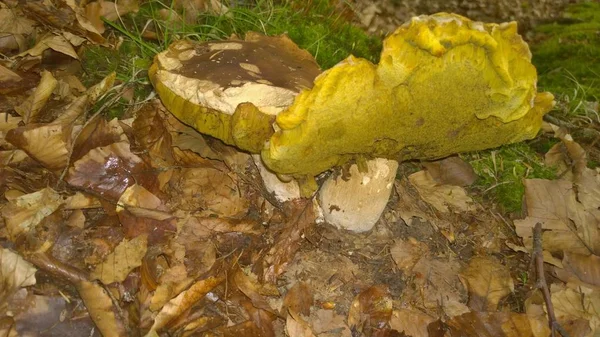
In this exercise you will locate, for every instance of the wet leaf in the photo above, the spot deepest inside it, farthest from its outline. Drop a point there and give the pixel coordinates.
(370, 309)
(118, 264)
(488, 281)
(440, 196)
(109, 170)
(25, 212)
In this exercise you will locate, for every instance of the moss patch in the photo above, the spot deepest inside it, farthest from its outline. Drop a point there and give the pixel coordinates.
(567, 53)
(501, 172)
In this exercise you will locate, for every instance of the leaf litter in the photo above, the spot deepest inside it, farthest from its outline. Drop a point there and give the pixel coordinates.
(140, 226)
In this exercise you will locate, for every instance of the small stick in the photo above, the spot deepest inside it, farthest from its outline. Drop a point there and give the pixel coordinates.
(538, 259)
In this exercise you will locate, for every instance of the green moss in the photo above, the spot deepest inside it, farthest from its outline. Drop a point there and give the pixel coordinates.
(567, 55)
(501, 172)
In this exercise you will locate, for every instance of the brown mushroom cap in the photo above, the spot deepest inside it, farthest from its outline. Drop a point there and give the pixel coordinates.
(208, 85)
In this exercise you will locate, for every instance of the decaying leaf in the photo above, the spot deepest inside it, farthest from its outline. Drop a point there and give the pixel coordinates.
(299, 299)
(184, 301)
(38, 99)
(451, 171)
(573, 302)
(568, 225)
(440, 196)
(484, 324)
(118, 264)
(46, 143)
(296, 326)
(371, 309)
(109, 170)
(27, 211)
(487, 281)
(580, 268)
(15, 273)
(412, 322)
(102, 310)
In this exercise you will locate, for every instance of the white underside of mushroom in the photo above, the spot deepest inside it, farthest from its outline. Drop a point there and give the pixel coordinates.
(357, 204)
(268, 98)
(283, 191)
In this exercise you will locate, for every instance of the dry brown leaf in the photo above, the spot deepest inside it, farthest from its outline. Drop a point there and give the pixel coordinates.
(451, 171)
(109, 170)
(296, 326)
(118, 264)
(588, 189)
(299, 299)
(15, 273)
(328, 323)
(210, 190)
(25, 212)
(582, 268)
(55, 42)
(101, 88)
(249, 286)
(406, 253)
(488, 281)
(7, 75)
(101, 309)
(491, 324)
(436, 284)
(572, 302)
(370, 309)
(13, 21)
(47, 143)
(31, 107)
(440, 196)
(97, 134)
(412, 322)
(180, 304)
(150, 130)
(568, 225)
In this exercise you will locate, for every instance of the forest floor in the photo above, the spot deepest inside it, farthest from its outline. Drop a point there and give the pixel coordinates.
(119, 220)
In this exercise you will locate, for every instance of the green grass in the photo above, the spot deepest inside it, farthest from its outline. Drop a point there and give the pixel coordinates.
(317, 28)
(502, 170)
(567, 56)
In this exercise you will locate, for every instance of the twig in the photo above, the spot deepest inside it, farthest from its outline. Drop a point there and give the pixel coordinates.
(538, 258)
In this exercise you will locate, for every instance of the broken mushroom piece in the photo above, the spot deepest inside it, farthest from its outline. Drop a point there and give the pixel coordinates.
(444, 84)
(232, 89)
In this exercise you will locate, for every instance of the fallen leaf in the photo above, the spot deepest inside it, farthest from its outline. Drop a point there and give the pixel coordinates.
(296, 326)
(491, 324)
(55, 42)
(577, 267)
(406, 253)
(451, 171)
(568, 226)
(118, 264)
(573, 302)
(25, 212)
(178, 305)
(47, 143)
(488, 281)
(412, 322)
(31, 107)
(299, 299)
(101, 308)
(329, 323)
(13, 21)
(440, 196)
(15, 273)
(109, 170)
(371, 309)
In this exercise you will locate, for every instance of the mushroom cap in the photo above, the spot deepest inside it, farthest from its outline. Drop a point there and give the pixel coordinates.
(445, 84)
(232, 89)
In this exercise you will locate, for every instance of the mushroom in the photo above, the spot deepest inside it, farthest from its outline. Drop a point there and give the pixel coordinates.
(445, 84)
